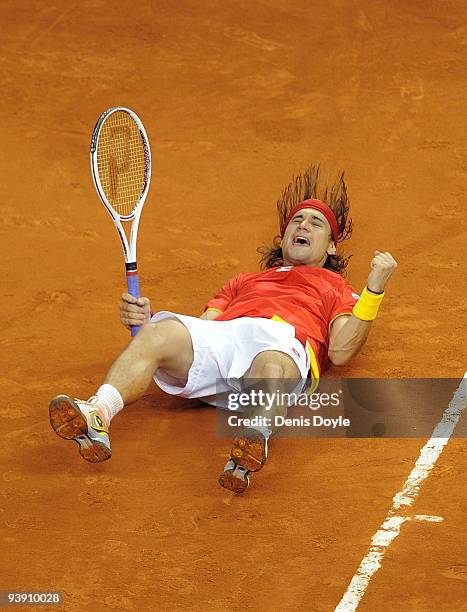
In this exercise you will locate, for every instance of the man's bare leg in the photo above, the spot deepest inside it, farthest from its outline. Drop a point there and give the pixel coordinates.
(166, 344)
(274, 373)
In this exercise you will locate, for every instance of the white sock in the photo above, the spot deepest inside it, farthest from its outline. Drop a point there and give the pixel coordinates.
(110, 401)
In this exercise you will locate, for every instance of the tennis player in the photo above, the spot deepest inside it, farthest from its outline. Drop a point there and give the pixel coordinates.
(271, 330)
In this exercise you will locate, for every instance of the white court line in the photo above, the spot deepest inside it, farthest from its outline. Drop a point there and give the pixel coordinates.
(391, 526)
(430, 519)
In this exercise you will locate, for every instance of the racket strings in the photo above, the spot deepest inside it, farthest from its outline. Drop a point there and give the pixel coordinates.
(122, 162)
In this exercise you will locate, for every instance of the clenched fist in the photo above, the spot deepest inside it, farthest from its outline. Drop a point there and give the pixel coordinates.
(382, 267)
(134, 311)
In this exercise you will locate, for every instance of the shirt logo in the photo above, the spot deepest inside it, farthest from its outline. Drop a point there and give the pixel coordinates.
(295, 352)
(355, 296)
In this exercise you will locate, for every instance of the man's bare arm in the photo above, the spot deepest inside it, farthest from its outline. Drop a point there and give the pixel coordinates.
(347, 336)
(348, 333)
(135, 311)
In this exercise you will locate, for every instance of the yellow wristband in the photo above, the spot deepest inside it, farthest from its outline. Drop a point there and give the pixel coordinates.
(367, 306)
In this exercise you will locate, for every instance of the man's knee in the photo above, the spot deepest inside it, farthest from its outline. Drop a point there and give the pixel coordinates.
(172, 342)
(159, 333)
(273, 365)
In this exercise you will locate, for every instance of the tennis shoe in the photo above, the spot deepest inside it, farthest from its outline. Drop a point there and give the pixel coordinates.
(249, 453)
(74, 419)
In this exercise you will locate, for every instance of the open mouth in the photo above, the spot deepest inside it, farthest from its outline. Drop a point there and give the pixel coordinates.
(301, 241)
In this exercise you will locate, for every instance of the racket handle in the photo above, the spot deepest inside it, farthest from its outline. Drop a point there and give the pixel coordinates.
(132, 279)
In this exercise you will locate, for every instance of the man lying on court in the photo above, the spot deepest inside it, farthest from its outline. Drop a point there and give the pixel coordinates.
(269, 330)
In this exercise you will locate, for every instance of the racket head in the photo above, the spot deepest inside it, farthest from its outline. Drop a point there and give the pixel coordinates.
(121, 162)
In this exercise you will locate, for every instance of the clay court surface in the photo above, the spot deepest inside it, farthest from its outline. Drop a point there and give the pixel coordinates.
(236, 97)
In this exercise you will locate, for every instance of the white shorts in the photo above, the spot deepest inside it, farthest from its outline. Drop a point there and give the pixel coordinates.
(223, 352)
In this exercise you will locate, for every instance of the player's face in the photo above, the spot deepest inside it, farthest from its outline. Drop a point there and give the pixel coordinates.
(307, 239)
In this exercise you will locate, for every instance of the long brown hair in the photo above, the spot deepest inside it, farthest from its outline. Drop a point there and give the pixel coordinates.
(305, 186)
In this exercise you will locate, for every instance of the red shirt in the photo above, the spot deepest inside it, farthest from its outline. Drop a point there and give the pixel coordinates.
(306, 297)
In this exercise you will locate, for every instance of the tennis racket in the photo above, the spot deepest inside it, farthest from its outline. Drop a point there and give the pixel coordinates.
(121, 170)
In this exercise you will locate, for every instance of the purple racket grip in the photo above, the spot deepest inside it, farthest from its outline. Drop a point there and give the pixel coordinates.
(132, 279)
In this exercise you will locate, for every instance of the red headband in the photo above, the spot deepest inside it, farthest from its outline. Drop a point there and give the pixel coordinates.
(317, 205)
